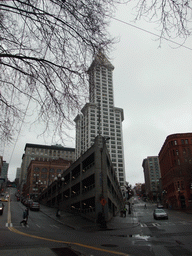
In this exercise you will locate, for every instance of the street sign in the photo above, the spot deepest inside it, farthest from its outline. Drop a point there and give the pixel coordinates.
(103, 201)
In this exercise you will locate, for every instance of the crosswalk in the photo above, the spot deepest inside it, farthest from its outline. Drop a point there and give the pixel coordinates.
(164, 223)
(16, 225)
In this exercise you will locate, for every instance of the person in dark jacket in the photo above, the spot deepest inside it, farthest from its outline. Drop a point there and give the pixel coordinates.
(24, 221)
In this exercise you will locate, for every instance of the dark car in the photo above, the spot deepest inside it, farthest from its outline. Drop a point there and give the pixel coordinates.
(160, 214)
(35, 206)
(1, 208)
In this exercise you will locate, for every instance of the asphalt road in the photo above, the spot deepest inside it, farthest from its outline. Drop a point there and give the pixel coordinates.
(150, 237)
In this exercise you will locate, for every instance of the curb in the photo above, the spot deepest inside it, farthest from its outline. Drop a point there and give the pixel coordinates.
(92, 228)
(53, 218)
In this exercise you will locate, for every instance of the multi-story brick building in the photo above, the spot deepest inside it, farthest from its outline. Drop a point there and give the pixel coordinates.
(43, 153)
(41, 174)
(175, 158)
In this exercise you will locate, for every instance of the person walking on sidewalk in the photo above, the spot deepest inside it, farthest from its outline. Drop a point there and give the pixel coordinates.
(124, 211)
(27, 213)
(24, 221)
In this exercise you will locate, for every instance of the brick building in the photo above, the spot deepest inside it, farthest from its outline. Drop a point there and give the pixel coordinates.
(175, 159)
(43, 153)
(40, 174)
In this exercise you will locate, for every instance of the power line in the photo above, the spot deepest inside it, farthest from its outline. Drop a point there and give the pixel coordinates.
(48, 44)
(151, 33)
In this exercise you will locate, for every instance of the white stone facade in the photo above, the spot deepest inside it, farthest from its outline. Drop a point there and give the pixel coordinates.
(100, 117)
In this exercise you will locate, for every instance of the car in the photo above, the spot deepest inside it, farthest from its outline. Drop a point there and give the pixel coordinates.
(4, 199)
(1, 208)
(160, 214)
(35, 206)
(160, 206)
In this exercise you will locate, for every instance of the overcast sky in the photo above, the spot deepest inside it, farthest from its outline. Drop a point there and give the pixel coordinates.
(152, 84)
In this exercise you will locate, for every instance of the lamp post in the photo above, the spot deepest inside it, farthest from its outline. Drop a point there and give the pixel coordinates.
(179, 201)
(59, 180)
(164, 192)
(38, 183)
(37, 186)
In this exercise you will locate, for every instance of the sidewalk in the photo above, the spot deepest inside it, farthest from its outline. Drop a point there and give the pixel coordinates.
(77, 222)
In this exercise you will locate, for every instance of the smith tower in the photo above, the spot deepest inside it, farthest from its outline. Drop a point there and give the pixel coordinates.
(100, 117)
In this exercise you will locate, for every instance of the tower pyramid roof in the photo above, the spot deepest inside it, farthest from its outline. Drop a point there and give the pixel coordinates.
(101, 60)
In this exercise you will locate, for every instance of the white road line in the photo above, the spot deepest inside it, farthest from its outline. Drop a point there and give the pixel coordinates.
(38, 226)
(53, 226)
(8, 225)
(143, 225)
(155, 224)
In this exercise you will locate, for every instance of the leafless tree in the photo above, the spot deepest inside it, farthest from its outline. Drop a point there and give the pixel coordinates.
(46, 47)
(173, 17)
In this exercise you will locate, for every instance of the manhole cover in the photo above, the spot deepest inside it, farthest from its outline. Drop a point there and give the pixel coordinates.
(109, 245)
(64, 251)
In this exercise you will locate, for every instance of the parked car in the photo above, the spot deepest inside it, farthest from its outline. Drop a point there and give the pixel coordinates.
(35, 206)
(1, 208)
(160, 214)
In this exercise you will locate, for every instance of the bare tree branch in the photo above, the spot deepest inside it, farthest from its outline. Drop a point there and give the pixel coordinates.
(46, 48)
(173, 17)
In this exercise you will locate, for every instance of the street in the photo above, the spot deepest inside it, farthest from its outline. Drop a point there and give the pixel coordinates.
(147, 236)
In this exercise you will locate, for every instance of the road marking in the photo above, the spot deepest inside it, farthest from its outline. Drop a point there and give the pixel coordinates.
(8, 224)
(53, 226)
(143, 225)
(155, 224)
(183, 222)
(9, 212)
(12, 229)
(38, 226)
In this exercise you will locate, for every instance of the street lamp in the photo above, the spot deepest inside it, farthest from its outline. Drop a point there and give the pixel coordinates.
(59, 180)
(179, 201)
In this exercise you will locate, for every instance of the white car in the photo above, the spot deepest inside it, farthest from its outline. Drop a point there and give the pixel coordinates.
(160, 214)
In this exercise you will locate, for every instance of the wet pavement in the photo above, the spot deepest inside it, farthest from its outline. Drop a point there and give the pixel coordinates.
(77, 222)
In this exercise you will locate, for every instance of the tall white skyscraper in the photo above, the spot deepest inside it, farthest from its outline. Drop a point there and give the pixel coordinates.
(100, 117)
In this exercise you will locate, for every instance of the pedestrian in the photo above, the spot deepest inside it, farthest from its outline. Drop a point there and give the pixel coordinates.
(24, 221)
(58, 213)
(124, 211)
(27, 213)
(145, 207)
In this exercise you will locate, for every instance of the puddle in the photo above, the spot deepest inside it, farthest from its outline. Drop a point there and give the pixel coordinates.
(137, 236)
(142, 237)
